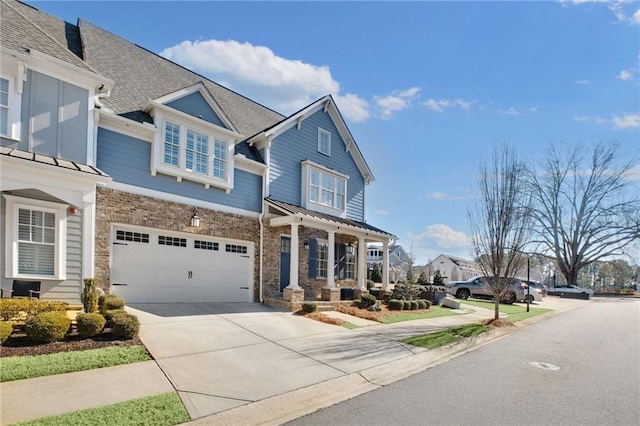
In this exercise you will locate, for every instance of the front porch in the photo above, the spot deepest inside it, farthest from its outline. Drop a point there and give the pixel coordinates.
(313, 257)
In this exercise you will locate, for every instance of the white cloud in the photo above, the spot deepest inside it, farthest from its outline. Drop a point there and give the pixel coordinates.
(443, 236)
(397, 101)
(439, 195)
(625, 75)
(439, 105)
(633, 174)
(635, 18)
(353, 107)
(619, 8)
(627, 121)
(534, 109)
(583, 82)
(283, 84)
(382, 212)
(589, 119)
(511, 111)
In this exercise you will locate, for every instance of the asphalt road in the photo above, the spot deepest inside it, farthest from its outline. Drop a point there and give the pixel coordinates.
(597, 348)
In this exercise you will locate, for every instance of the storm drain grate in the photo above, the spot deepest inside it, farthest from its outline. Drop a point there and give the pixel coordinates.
(545, 366)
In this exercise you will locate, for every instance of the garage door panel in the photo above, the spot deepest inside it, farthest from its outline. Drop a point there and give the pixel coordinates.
(172, 267)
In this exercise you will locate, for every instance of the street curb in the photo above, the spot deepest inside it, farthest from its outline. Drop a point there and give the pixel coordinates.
(289, 406)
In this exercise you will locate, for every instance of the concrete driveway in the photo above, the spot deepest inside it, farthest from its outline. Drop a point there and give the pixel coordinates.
(220, 356)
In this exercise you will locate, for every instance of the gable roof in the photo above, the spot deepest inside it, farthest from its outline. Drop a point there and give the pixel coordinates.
(141, 75)
(328, 104)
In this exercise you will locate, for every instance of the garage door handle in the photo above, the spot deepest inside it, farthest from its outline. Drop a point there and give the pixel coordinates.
(244, 288)
(119, 284)
(244, 256)
(120, 244)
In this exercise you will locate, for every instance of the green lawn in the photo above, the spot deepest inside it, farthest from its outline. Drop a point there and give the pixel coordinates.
(445, 337)
(436, 311)
(514, 312)
(160, 410)
(25, 367)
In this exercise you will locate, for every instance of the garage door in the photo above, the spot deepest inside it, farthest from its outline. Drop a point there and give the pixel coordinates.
(155, 266)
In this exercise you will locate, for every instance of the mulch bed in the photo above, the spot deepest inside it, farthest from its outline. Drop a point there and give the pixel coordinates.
(18, 345)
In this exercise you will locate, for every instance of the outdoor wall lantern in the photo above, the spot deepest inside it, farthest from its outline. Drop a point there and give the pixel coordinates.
(306, 245)
(195, 220)
(350, 249)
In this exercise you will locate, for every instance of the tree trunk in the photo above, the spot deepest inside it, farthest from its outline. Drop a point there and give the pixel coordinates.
(496, 309)
(571, 275)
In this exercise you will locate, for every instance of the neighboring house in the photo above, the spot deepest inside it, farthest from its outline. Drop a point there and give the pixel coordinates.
(453, 268)
(399, 260)
(163, 185)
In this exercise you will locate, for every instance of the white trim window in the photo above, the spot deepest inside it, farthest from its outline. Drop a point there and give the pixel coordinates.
(322, 259)
(194, 153)
(324, 141)
(36, 238)
(5, 109)
(326, 189)
(350, 266)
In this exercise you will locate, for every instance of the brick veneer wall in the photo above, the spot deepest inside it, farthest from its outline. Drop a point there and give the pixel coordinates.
(121, 207)
(271, 269)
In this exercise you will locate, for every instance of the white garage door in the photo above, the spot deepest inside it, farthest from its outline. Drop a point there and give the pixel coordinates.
(155, 266)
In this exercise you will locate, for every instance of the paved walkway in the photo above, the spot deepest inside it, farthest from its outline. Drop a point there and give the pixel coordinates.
(246, 363)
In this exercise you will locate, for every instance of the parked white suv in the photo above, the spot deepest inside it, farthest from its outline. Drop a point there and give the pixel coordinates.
(480, 287)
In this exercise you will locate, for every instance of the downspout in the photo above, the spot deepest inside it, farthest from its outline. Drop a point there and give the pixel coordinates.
(265, 179)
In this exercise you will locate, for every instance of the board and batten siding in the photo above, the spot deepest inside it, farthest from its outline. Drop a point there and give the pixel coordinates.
(68, 290)
(127, 160)
(54, 118)
(194, 104)
(289, 149)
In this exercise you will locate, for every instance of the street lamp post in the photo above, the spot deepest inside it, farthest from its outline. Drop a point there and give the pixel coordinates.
(528, 283)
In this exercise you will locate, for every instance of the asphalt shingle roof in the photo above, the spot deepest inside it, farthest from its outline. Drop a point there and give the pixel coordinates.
(23, 28)
(141, 75)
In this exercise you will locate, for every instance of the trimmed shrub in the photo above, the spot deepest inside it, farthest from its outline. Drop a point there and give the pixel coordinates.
(406, 291)
(110, 302)
(6, 328)
(90, 296)
(406, 305)
(47, 327)
(308, 307)
(414, 305)
(370, 284)
(428, 303)
(110, 314)
(367, 300)
(422, 304)
(395, 304)
(18, 309)
(89, 325)
(125, 326)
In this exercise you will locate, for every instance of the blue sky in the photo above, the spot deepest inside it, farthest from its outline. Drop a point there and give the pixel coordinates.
(428, 89)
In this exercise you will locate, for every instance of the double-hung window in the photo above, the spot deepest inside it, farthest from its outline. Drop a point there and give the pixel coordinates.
(35, 238)
(5, 111)
(194, 154)
(322, 259)
(325, 189)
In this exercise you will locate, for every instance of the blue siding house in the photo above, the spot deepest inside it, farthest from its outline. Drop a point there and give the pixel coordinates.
(163, 185)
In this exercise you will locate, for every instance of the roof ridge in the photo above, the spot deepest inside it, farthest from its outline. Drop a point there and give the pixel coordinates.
(181, 66)
(43, 31)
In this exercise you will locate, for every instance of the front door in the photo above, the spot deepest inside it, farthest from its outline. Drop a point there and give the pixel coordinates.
(285, 261)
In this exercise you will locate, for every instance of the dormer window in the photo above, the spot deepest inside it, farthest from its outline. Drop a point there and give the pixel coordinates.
(324, 141)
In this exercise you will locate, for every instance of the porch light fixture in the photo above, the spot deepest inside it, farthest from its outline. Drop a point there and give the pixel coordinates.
(350, 249)
(195, 220)
(306, 245)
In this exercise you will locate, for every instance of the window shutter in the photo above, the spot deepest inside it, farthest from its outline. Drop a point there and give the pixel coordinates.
(313, 255)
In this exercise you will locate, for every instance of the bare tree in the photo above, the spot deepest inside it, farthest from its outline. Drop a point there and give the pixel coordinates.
(583, 207)
(499, 221)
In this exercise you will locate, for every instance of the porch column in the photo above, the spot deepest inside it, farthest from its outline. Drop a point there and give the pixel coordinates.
(331, 259)
(88, 238)
(293, 261)
(385, 265)
(362, 265)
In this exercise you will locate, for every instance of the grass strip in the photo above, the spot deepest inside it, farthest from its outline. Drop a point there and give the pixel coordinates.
(26, 367)
(436, 311)
(445, 337)
(514, 313)
(159, 410)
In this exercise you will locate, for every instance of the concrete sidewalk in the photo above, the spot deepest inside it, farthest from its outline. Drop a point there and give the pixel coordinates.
(247, 363)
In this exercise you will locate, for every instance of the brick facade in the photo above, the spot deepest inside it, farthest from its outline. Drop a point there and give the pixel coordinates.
(271, 269)
(124, 208)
